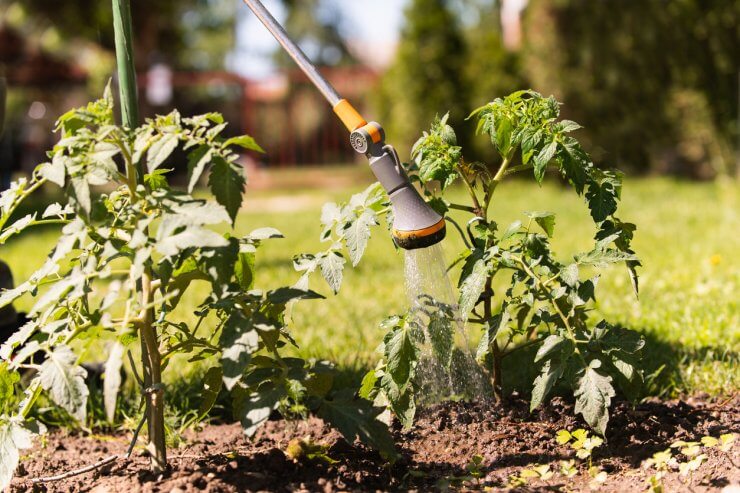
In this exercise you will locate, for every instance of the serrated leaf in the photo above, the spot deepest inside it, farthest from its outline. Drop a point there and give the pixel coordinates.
(244, 141)
(543, 158)
(570, 275)
(285, 295)
(546, 221)
(227, 182)
(212, 383)
(602, 200)
(441, 335)
(568, 126)
(368, 386)
(238, 340)
(593, 395)
(332, 267)
(401, 354)
(112, 380)
(551, 372)
(563, 437)
(552, 345)
(160, 150)
(255, 409)
(601, 257)
(54, 171)
(244, 270)
(261, 234)
(511, 230)
(65, 381)
(13, 439)
(191, 237)
(197, 162)
(8, 380)
(357, 418)
(81, 193)
(472, 287)
(357, 234)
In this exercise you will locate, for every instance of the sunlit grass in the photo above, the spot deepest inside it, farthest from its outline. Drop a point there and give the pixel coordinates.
(687, 239)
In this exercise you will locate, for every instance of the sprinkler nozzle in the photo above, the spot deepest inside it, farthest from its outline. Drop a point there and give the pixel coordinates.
(415, 223)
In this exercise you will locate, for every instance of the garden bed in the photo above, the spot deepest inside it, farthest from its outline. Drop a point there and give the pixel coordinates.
(435, 453)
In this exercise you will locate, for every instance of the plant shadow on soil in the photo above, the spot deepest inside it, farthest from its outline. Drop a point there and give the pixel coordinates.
(435, 451)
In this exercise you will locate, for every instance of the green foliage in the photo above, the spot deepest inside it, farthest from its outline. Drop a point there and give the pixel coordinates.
(428, 72)
(547, 302)
(126, 255)
(654, 84)
(346, 228)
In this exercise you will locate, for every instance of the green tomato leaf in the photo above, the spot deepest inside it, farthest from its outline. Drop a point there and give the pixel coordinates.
(552, 345)
(160, 150)
(212, 383)
(254, 409)
(472, 287)
(197, 162)
(227, 182)
(246, 142)
(551, 372)
(332, 267)
(357, 418)
(112, 380)
(401, 353)
(593, 395)
(244, 270)
(357, 234)
(238, 340)
(13, 438)
(543, 158)
(284, 295)
(65, 381)
(546, 220)
(441, 333)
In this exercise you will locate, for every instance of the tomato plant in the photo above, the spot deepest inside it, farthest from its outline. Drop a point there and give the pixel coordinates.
(544, 302)
(130, 248)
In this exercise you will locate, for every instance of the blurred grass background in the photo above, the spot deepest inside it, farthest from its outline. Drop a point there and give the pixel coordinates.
(687, 240)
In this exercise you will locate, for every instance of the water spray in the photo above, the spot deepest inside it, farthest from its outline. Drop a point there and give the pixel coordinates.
(415, 224)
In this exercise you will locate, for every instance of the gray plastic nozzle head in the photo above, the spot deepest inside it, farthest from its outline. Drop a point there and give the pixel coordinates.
(415, 224)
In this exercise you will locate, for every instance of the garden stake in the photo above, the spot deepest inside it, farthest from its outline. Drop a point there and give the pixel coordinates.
(415, 224)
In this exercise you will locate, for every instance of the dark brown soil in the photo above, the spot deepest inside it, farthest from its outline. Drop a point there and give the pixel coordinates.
(435, 453)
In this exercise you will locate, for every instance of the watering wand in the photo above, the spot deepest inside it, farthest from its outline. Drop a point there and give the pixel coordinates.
(415, 224)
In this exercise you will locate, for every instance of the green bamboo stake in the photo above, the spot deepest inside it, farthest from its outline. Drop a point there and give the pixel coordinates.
(125, 61)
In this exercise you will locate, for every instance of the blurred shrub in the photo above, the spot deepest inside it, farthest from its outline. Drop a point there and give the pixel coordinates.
(427, 76)
(655, 82)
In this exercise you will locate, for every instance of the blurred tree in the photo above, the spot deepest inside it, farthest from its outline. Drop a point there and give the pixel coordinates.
(654, 82)
(492, 70)
(317, 25)
(428, 75)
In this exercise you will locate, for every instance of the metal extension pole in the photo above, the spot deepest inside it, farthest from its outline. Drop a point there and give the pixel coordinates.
(294, 51)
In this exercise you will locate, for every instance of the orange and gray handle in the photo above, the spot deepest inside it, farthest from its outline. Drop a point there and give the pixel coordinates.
(415, 224)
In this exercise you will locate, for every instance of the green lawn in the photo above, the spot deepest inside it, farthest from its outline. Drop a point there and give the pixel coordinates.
(687, 239)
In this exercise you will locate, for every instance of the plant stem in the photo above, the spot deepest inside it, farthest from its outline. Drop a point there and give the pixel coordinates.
(151, 359)
(553, 302)
(477, 210)
(154, 391)
(496, 180)
(496, 375)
